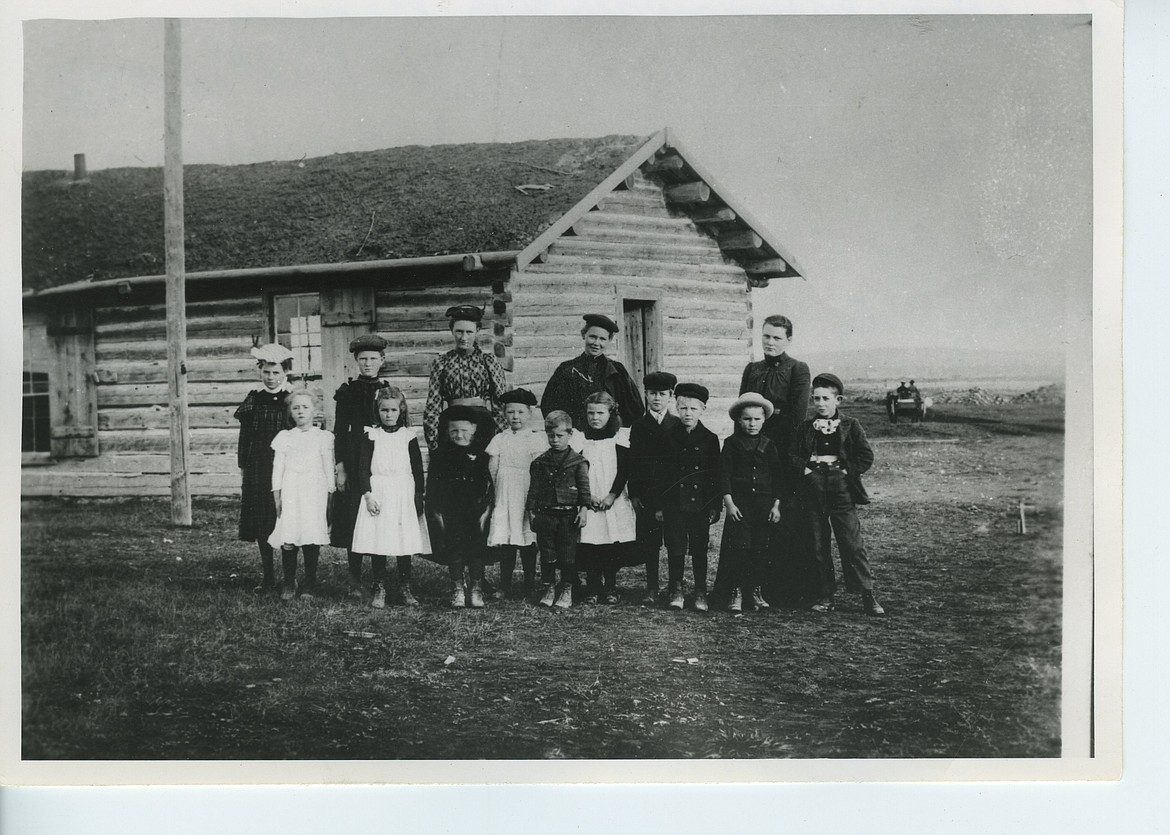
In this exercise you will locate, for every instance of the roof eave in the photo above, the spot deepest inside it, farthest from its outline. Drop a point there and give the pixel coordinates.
(470, 262)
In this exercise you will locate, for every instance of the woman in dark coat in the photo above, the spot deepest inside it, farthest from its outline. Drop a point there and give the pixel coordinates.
(592, 371)
(262, 415)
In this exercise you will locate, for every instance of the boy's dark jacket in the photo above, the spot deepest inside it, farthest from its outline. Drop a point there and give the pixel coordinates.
(856, 454)
(563, 485)
(458, 481)
(694, 470)
(651, 459)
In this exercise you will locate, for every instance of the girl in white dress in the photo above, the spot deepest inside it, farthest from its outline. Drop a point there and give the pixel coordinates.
(390, 481)
(302, 490)
(611, 520)
(510, 455)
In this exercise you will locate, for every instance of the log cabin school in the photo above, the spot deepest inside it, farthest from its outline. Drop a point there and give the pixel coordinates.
(314, 252)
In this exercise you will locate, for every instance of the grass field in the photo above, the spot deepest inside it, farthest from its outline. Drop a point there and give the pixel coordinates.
(143, 641)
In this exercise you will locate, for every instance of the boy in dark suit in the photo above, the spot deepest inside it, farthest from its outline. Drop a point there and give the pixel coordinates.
(692, 500)
(650, 459)
(832, 452)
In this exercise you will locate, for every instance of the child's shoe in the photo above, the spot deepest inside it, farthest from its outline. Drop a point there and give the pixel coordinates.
(307, 591)
(676, 596)
(758, 600)
(504, 591)
(591, 599)
(870, 604)
(700, 600)
(550, 595)
(288, 592)
(650, 598)
(611, 597)
(266, 586)
(736, 604)
(458, 597)
(408, 598)
(565, 598)
(379, 601)
(355, 587)
(476, 596)
(825, 604)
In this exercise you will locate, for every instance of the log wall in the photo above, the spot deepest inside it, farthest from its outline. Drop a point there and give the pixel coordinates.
(633, 247)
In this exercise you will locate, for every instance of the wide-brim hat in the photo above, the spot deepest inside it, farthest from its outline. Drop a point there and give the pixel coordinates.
(518, 396)
(749, 398)
(694, 390)
(368, 342)
(597, 320)
(273, 352)
(827, 380)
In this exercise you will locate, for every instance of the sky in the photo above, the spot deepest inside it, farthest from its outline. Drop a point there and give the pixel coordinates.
(931, 175)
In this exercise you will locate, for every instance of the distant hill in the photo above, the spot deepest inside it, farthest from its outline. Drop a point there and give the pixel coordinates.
(896, 363)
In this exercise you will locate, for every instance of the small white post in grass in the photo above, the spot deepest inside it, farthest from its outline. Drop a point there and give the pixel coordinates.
(1022, 523)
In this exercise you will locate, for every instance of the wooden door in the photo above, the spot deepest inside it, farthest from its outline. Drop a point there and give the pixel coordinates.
(346, 313)
(72, 387)
(634, 342)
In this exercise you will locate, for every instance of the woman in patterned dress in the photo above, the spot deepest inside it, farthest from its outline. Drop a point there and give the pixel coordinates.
(262, 415)
(464, 376)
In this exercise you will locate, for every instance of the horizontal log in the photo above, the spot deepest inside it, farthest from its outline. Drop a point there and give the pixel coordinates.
(32, 484)
(722, 215)
(439, 295)
(688, 289)
(201, 326)
(768, 268)
(546, 298)
(148, 462)
(706, 347)
(199, 369)
(158, 440)
(148, 349)
(695, 192)
(690, 253)
(198, 394)
(676, 224)
(634, 201)
(708, 329)
(738, 239)
(246, 305)
(634, 267)
(670, 165)
(158, 417)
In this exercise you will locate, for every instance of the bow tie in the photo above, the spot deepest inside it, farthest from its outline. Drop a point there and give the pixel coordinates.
(826, 426)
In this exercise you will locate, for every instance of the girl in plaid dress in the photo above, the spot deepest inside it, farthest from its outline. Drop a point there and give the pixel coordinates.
(262, 415)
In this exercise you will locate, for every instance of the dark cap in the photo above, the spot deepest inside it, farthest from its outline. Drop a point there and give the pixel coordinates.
(368, 342)
(518, 396)
(593, 320)
(659, 381)
(464, 313)
(827, 380)
(692, 390)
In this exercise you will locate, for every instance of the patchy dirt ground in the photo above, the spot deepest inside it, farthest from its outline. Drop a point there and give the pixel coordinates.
(142, 641)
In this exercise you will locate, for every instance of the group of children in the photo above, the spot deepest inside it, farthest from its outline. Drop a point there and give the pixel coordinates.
(588, 499)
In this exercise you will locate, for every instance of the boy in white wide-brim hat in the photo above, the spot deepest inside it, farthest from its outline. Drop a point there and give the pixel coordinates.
(751, 482)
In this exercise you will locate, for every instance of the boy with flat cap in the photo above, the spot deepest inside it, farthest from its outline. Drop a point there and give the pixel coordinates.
(589, 372)
(832, 452)
(692, 500)
(650, 460)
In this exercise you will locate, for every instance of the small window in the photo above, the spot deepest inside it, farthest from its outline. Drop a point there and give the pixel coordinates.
(296, 322)
(35, 428)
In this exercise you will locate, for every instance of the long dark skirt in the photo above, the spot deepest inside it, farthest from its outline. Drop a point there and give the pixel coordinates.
(257, 508)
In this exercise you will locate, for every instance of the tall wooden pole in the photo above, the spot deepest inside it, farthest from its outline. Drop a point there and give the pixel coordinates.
(176, 272)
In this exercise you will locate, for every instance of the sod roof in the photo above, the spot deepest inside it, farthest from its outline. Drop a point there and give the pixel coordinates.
(396, 203)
